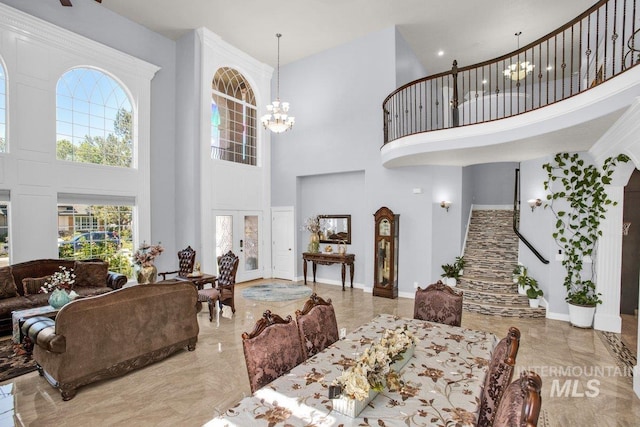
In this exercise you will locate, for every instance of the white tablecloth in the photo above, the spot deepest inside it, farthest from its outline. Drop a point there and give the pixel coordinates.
(442, 382)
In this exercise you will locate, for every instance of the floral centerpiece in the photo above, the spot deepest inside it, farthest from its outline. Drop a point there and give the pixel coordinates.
(312, 225)
(59, 285)
(146, 253)
(143, 262)
(375, 368)
(62, 279)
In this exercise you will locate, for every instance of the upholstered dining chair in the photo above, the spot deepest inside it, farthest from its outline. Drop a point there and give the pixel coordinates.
(438, 303)
(225, 283)
(317, 325)
(272, 349)
(186, 260)
(520, 405)
(499, 375)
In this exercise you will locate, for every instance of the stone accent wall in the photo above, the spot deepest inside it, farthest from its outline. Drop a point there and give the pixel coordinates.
(491, 254)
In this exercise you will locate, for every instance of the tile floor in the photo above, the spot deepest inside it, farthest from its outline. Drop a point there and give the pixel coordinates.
(583, 384)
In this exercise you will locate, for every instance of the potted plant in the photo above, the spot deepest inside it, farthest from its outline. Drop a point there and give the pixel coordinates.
(578, 199)
(533, 292)
(520, 275)
(452, 271)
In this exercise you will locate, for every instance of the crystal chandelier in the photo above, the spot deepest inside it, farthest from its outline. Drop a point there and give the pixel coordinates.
(278, 120)
(518, 71)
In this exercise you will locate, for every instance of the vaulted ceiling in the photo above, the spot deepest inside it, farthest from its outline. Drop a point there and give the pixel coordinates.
(469, 31)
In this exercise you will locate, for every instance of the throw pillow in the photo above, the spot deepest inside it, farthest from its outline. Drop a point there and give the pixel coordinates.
(91, 273)
(7, 285)
(32, 285)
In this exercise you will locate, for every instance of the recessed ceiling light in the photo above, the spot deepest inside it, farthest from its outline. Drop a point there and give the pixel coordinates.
(549, 68)
(484, 82)
(440, 52)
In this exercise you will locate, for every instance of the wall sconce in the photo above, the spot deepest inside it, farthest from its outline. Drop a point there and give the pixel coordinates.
(534, 203)
(445, 204)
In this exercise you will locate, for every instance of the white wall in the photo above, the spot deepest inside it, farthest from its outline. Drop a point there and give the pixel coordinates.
(225, 185)
(96, 22)
(36, 54)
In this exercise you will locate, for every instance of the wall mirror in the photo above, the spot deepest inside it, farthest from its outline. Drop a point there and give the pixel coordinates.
(335, 229)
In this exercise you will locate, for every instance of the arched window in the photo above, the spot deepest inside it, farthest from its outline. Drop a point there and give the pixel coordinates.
(233, 118)
(93, 119)
(3, 110)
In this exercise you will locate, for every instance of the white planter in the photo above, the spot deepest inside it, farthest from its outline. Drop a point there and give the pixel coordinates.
(581, 316)
(406, 355)
(450, 281)
(534, 303)
(522, 290)
(352, 407)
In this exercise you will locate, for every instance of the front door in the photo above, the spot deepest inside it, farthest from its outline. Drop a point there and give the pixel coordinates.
(239, 232)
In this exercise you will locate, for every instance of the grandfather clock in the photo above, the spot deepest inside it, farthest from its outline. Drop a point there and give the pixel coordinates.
(386, 253)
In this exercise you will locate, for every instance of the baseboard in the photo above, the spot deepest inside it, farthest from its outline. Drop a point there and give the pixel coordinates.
(558, 316)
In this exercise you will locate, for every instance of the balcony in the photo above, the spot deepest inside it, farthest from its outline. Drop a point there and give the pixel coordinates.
(559, 93)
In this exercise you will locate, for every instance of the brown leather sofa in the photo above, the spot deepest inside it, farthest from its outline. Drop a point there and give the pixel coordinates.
(111, 334)
(93, 278)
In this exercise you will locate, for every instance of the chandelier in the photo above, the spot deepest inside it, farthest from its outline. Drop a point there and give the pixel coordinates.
(278, 119)
(518, 71)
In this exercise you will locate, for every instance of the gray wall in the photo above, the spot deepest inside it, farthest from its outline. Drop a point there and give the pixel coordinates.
(100, 24)
(332, 159)
(408, 66)
(493, 183)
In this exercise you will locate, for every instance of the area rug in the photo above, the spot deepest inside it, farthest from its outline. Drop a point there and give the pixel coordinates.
(277, 292)
(14, 361)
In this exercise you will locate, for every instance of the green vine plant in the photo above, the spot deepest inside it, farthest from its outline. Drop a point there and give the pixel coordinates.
(584, 203)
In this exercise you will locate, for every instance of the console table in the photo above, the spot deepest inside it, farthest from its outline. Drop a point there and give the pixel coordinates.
(324, 258)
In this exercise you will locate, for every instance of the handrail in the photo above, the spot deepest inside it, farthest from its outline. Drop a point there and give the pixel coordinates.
(597, 45)
(516, 220)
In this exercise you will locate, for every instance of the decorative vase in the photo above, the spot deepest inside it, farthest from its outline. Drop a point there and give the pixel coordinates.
(534, 303)
(58, 298)
(451, 281)
(314, 243)
(147, 274)
(581, 315)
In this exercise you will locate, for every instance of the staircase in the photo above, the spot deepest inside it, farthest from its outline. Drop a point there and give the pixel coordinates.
(490, 255)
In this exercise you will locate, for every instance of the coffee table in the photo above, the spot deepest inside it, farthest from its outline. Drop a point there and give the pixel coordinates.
(19, 316)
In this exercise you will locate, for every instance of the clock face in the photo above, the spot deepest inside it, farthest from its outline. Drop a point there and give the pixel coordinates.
(384, 228)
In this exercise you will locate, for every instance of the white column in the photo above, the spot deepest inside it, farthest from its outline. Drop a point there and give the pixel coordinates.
(609, 265)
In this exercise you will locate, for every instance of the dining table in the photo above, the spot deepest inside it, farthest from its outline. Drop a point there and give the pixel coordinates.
(441, 385)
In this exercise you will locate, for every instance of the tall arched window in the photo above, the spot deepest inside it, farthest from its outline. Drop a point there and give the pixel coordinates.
(3, 110)
(93, 119)
(233, 118)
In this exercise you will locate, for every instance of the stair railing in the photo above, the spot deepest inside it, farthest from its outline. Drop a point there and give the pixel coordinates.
(516, 220)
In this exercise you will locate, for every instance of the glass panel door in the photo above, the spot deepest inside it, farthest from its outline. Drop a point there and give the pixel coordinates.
(239, 232)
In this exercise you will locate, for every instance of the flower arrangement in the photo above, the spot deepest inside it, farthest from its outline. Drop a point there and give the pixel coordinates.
(146, 253)
(62, 279)
(312, 224)
(374, 367)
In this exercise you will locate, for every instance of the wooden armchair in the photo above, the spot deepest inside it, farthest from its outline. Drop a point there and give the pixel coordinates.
(186, 260)
(499, 375)
(520, 405)
(438, 303)
(271, 350)
(317, 325)
(225, 283)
